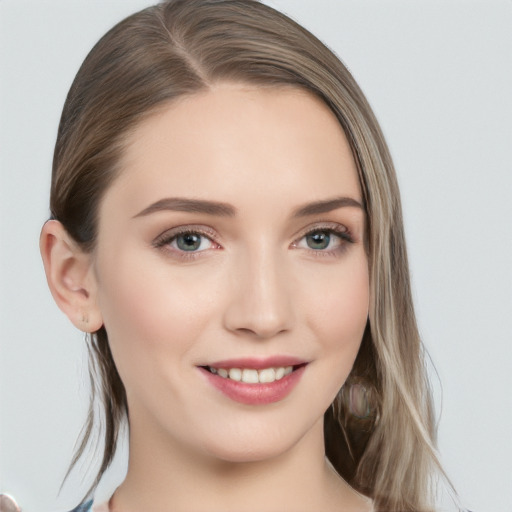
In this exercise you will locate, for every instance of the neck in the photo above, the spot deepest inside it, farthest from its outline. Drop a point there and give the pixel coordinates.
(173, 477)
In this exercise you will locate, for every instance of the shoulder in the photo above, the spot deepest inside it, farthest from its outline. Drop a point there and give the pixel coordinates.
(83, 507)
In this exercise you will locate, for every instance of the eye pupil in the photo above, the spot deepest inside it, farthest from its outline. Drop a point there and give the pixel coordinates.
(318, 240)
(188, 242)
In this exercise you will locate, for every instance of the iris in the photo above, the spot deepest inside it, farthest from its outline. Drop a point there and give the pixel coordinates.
(188, 242)
(318, 240)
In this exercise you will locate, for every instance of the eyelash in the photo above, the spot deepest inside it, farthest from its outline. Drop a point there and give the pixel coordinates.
(168, 237)
(341, 232)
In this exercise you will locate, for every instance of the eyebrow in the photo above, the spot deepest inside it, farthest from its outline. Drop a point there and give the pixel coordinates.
(326, 206)
(181, 204)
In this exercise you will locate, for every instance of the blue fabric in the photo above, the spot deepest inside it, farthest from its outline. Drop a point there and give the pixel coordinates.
(84, 507)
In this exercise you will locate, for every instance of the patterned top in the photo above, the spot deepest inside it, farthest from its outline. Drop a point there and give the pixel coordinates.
(89, 506)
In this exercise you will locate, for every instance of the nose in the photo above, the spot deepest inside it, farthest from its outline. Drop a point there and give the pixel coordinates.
(260, 303)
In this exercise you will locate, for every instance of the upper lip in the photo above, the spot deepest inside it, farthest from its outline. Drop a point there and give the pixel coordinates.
(258, 363)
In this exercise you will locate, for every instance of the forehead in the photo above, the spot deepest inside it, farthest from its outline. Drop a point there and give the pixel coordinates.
(235, 142)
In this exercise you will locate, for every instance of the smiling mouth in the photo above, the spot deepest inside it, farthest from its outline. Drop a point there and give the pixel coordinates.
(255, 381)
(252, 375)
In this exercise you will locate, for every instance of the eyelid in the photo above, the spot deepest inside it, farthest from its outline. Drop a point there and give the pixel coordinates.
(334, 227)
(167, 236)
(164, 239)
(341, 231)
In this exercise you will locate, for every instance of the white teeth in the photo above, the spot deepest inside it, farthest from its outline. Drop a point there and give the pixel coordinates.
(267, 375)
(279, 373)
(251, 376)
(235, 374)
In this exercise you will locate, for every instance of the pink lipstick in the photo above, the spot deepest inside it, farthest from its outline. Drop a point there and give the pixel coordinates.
(255, 381)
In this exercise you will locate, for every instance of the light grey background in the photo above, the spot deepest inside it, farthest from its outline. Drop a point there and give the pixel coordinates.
(438, 74)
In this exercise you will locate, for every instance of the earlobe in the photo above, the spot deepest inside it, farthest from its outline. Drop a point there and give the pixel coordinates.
(70, 277)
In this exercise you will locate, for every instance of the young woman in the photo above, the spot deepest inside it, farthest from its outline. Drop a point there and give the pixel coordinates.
(226, 225)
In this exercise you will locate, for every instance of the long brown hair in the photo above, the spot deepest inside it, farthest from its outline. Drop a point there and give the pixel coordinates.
(180, 47)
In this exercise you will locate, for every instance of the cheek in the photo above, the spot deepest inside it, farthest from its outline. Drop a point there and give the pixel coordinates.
(150, 311)
(339, 309)
(338, 317)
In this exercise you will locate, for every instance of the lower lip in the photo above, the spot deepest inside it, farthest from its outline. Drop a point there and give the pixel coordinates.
(255, 394)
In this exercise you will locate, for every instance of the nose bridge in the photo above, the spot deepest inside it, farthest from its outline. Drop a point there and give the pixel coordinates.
(260, 301)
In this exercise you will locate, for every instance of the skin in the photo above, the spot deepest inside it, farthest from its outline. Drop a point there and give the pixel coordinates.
(254, 288)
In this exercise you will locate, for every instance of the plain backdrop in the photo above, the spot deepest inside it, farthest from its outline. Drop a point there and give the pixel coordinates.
(439, 77)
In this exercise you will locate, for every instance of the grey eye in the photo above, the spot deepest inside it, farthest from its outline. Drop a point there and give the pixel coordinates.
(189, 242)
(318, 240)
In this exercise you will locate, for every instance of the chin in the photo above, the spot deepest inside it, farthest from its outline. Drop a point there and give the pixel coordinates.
(247, 454)
(255, 445)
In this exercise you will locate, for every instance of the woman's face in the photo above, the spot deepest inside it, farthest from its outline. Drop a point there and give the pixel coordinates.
(232, 242)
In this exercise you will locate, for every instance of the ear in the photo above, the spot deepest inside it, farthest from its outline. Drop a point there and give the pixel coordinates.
(70, 275)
